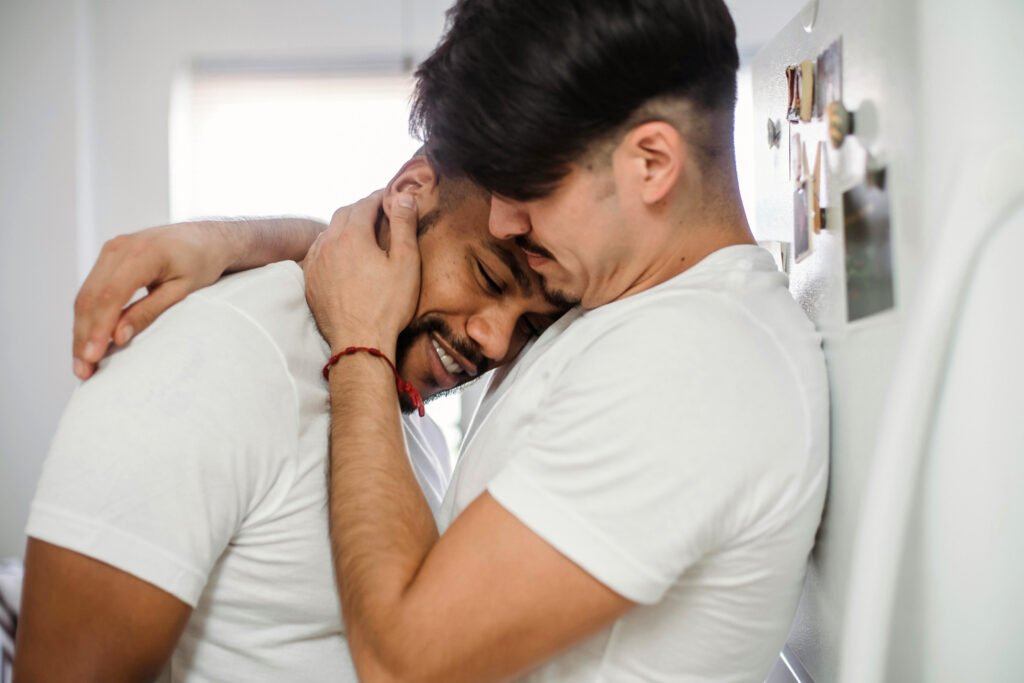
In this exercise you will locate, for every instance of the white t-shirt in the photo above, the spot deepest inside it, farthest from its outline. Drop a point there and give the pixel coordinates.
(674, 444)
(195, 459)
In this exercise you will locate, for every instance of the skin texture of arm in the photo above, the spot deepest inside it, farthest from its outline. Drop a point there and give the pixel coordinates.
(83, 620)
(487, 600)
(172, 261)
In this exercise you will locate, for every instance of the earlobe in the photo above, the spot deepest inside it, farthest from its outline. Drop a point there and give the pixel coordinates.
(416, 177)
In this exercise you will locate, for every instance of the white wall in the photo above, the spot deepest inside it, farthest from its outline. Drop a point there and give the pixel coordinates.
(959, 610)
(879, 65)
(143, 45)
(84, 102)
(910, 69)
(41, 209)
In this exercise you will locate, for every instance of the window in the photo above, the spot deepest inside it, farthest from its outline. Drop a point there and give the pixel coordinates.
(296, 144)
(283, 143)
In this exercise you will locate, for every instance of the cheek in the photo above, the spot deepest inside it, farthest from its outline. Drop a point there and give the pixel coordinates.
(442, 284)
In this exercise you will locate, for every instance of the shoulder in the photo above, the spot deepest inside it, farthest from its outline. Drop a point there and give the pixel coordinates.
(272, 297)
(726, 364)
(205, 375)
(274, 287)
(165, 453)
(270, 302)
(216, 342)
(686, 335)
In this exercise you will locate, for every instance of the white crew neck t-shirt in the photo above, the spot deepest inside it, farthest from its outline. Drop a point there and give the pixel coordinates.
(673, 444)
(195, 459)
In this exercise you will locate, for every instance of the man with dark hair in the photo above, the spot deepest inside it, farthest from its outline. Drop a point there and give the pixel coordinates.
(179, 522)
(639, 492)
(547, 83)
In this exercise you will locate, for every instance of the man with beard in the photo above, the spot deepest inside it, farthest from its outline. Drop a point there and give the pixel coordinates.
(638, 494)
(180, 523)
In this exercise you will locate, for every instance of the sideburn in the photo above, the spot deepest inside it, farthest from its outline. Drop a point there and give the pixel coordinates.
(382, 226)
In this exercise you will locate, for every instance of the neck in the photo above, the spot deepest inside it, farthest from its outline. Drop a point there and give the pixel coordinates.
(681, 240)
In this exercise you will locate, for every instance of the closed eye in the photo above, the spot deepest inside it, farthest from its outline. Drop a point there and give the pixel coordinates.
(492, 286)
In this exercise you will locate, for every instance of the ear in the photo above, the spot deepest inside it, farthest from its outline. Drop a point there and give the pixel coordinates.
(417, 177)
(651, 159)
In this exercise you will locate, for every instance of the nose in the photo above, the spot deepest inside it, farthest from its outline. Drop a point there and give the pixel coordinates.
(492, 330)
(507, 219)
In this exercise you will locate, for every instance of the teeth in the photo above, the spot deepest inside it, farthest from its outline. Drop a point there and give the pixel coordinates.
(449, 364)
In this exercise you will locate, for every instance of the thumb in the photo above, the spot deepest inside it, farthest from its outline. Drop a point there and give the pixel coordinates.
(404, 219)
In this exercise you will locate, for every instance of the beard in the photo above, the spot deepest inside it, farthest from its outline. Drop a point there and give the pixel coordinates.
(556, 297)
(433, 324)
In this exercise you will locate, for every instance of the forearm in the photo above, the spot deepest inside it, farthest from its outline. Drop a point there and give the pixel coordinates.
(376, 555)
(250, 242)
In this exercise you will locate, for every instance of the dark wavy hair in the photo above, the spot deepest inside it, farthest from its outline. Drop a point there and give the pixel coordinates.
(517, 90)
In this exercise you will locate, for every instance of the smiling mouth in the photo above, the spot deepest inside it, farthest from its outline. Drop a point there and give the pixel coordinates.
(452, 361)
(447, 361)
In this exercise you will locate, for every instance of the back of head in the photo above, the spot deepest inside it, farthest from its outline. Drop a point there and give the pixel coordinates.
(519, 89)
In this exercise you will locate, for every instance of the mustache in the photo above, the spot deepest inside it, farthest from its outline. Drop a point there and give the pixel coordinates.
(526, 244)
(428, 324)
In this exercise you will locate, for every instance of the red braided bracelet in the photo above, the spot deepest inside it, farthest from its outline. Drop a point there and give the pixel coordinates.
(401, 385)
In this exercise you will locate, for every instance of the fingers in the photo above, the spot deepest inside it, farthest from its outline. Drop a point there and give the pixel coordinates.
(355, 289)
(126, 263)
(143, 312)
(360, 214)
(119, 272)
(365, 210)
(312, 253)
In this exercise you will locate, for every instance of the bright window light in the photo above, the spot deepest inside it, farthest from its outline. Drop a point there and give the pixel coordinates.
(287, 144)
(264, 145)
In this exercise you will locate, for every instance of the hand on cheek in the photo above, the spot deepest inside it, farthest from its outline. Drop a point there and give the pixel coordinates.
(360, 294)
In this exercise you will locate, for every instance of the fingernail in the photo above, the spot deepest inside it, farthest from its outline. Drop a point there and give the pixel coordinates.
(89, 350)
(80, 369)
(406, 201)
(126, 334)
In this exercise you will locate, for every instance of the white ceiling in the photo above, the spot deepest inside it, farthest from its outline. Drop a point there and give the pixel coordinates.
(757, 21)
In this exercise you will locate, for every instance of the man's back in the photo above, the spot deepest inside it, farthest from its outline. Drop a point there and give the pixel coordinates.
(195, 460)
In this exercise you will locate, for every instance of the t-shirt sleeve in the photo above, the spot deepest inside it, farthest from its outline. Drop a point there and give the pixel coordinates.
(161, 456)
(644, 455)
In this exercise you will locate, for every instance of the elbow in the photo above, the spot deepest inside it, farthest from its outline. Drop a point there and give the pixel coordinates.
(392, 659)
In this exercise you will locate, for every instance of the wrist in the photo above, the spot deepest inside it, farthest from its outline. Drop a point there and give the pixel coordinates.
(366, 342)
(343, 331)
(362, 354)
(231, 250)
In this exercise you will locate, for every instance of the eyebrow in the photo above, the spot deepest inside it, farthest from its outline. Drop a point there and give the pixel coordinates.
(509, 259)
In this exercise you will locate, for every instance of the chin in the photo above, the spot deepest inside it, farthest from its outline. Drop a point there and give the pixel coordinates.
(426, 389)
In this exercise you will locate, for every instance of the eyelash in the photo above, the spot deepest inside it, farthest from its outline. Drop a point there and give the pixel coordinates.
(491, 284)
(495, 289)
